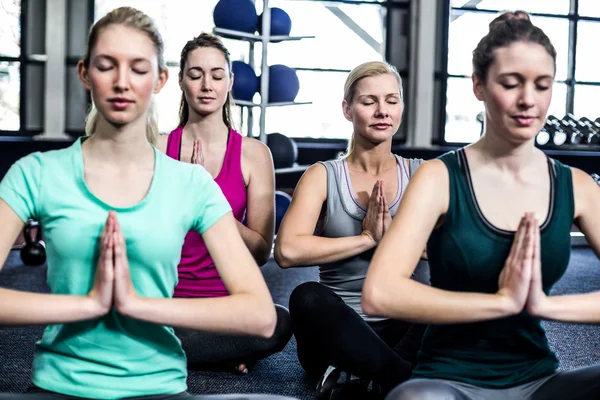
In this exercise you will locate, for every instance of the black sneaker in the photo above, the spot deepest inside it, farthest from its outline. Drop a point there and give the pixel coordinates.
(328, 383)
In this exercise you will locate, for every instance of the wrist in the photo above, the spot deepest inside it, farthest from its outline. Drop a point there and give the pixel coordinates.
(368, 238)
(92, 309)
(507, 306)
(131, 307)
(540, 307)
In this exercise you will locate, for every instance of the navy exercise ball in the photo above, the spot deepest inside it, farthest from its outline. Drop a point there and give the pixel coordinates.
(237, 15)
(283, 84)
(281, 23)
(283, 149)
(282, 203)
(245, 82)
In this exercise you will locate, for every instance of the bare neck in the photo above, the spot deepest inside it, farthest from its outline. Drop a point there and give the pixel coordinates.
(372, 159)
(506, 156)
(208, 129)
(126, 145)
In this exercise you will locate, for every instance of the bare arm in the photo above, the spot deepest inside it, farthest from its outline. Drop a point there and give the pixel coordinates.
(296, 244)
(248, 309)
(260, 207)
(578, 308)
(388, 289)
(25, 308)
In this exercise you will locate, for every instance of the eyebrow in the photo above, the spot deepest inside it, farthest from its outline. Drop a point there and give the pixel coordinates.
(201, 70)
(135, 60)
(520, 76)
(374, 96)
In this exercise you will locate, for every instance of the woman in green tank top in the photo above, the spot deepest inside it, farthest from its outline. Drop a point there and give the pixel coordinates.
(496, 217)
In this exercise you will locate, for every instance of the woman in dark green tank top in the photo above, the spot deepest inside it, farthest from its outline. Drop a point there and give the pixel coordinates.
(496, 217)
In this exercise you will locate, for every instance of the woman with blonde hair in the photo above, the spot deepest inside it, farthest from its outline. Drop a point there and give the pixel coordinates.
(339, 212)
(112, 247)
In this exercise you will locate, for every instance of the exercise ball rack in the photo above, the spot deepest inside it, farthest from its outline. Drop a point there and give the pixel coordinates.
(265, 39)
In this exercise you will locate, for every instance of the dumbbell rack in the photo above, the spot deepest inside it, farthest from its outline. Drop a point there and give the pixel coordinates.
(569, 133)
(265, 39)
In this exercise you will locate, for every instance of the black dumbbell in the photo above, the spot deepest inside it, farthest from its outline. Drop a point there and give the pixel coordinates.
(594, 136)
(33, 253)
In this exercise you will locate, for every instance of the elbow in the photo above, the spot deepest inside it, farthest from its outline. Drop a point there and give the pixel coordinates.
(267, 322)
(262, 256)
(283, 255)
(371, 301)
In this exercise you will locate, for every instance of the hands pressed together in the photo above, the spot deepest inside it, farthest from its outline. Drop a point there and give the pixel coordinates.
(378, 218)
(520, 281)
(112, 283)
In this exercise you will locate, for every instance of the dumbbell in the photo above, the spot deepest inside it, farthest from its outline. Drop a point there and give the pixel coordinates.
(594, 137)
(33, 253)
(596, 177)
(579, 132)
(557, 130)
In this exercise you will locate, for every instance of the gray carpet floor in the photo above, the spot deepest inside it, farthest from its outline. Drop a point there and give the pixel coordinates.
(575, 345)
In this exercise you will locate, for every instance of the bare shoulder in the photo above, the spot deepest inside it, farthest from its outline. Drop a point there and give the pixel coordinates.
(161, 142)
(432, 170)
(254, 149)
(314, 179)
(585, 189)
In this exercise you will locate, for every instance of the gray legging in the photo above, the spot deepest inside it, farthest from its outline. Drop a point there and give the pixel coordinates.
(578, 384)
(214, 350)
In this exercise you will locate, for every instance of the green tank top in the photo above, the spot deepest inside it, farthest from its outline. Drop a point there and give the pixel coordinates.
(467, 254)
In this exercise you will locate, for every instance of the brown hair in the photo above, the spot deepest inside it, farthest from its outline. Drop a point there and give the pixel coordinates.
(507, 28)
(132, 18)
(372, 68)
(211, 41)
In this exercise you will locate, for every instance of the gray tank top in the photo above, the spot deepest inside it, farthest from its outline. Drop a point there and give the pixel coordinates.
(343, 217)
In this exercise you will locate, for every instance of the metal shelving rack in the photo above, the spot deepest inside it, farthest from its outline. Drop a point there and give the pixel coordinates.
(265, 39)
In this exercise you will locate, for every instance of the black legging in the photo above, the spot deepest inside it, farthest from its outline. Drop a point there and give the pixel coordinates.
(328, 332)
(215, 350)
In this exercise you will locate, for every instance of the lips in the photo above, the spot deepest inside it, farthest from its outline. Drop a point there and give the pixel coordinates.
(380, 126)
(120, 103)
(524, 120)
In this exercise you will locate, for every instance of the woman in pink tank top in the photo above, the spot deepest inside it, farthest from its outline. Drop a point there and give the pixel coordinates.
(243, 169)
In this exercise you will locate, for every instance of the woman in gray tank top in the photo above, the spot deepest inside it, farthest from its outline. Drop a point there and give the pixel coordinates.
(339, 212)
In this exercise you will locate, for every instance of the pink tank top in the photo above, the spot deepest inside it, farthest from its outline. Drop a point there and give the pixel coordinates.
(198, 276)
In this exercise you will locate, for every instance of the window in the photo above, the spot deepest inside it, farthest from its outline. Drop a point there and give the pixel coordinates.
(10, 66)
(345, 36)
(577, 85)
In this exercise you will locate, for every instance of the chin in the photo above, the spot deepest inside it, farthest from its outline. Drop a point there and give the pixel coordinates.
(206, 110)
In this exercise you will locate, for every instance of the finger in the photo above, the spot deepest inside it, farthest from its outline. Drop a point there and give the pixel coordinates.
(375, 190)
(514, 250)
(528, 246)
(193, 153)
(537, 261)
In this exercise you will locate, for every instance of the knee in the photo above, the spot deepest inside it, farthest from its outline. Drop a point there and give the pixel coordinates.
(283, 329)
(306, 298)
(423, 389)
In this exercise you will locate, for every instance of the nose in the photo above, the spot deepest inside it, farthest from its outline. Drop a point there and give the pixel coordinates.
(206, 84)
(382, 111)
(122, 79)
(526, 98)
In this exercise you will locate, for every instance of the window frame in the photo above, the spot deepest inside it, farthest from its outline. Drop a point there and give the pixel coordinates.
(442, 75)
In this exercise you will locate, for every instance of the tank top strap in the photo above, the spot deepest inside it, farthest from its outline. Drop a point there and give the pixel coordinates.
(232, 162)
(174, 143)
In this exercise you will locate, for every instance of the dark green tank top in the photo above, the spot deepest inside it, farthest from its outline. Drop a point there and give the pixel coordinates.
(467, 254)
